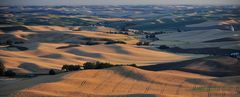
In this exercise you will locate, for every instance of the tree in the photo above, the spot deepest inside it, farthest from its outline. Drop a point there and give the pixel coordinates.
(71, 67)
(100, 65)
(96, 65)
(133, 65)
(64, 67)
(51, 72)
(2, 68)
(76, 67)
(89, 65)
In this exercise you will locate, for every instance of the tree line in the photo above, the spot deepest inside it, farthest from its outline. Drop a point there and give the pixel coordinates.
(67, 67)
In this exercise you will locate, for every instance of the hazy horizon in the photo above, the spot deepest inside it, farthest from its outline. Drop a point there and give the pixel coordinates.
(119, 2)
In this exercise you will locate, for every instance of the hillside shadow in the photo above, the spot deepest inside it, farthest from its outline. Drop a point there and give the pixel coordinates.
(132, 74)
(12, 87)
(53, 56)
(119, 49)
(31, 67)
(212, 67)
(21, 47)
(9, 29)
(84, 53)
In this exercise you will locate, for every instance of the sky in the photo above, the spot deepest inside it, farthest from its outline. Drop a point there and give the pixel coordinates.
(119, 2)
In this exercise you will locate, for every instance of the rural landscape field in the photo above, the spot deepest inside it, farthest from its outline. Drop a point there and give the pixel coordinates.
(120, 51)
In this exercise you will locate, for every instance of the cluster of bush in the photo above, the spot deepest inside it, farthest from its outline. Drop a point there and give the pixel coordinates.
(91, 65)
(96, 65)
(87, 65)
(115, 42)
(66, 67)
(18, 47)
(163, 47)
(102, 65)
(52, 72)
(92, 43)
(69, 67)
(10, 42)
(150, 36)
(142, 43)
(4, 72)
